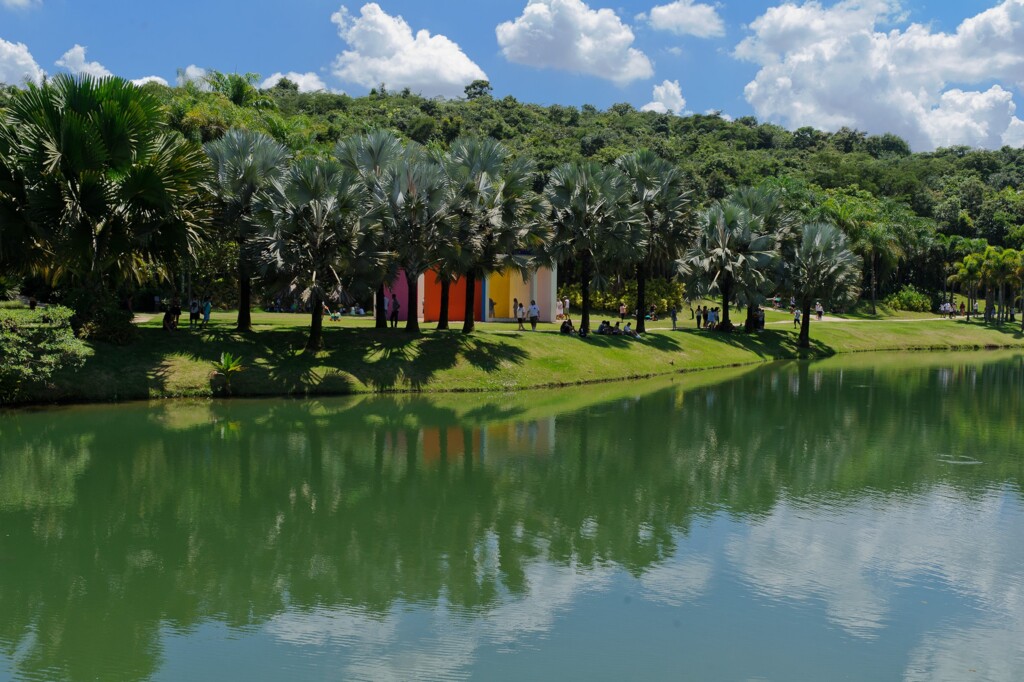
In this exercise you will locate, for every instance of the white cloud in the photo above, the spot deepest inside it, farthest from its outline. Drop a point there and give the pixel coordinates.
(834, 66)
(150, 79)
(667, 98)
(569, 35)
(307, 82)
(20, 4)
(383, 49)
(74, 61)
(687, 18)
(17, 64)
(1014, 135)
(190, 74)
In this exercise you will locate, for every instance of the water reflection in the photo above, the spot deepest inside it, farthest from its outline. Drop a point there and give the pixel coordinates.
(870, 510)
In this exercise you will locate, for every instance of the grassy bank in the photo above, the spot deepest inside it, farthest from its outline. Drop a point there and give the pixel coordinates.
(359, 359)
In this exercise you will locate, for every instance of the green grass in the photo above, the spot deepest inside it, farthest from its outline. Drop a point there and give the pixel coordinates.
(360, 359)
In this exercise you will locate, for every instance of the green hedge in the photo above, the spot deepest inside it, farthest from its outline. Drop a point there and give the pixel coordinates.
(34, 345)
(660, 292)
(909, 298)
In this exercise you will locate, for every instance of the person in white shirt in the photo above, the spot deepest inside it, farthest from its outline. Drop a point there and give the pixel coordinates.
(534, 313)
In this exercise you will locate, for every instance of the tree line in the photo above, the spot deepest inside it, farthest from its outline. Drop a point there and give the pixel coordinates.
(101, 189)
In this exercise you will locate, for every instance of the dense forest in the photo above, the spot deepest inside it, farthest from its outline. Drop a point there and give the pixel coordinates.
(915, 218)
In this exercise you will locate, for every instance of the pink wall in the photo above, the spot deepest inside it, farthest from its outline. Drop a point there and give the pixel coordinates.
(400, 288)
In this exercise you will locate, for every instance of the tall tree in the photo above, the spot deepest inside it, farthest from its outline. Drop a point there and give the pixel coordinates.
(728, 255)
(663, 197)
(413, 201)
(823, 269)
(594, 223)
(244, 163)
(370, 156)
(310, 233)
(91, 175)
(496, 215)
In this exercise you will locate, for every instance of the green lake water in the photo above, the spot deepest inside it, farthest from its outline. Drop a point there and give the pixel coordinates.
(860, 518)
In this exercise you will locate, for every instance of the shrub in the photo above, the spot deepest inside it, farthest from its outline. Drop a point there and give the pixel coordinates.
(660, 292)
(34, 345)
(909, 298)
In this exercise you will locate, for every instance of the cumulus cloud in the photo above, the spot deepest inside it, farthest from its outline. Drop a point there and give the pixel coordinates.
(150, 79)
(75, 62)
(20, 4)
(667, 98)
(569, 35)
(833, 66)
(17, 64)
(307, 82)
(687, 18)
(383, 49)
(190, 74)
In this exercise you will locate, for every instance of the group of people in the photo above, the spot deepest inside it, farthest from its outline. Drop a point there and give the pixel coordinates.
(606, 328)
(198, 313)
(335, 315)
(522, 313)
(949, 310)
(707, 319)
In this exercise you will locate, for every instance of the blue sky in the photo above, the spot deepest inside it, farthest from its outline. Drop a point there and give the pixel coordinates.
(812, 63)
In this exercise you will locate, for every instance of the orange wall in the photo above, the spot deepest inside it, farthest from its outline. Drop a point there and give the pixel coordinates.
(456, 299)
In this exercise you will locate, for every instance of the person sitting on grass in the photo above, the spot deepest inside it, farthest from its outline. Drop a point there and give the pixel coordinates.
(615, 331)
(170, 324)
(567, 327)
(603, 327)
(628, 331)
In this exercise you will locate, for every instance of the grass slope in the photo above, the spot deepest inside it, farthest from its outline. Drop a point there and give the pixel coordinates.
(360, 359)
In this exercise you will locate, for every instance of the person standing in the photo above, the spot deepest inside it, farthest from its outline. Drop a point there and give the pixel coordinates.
(622, 311)
(558, 309)
(700, 317)
(515, 309)
(565, 306)
(521, 317)
(207, 309)
(193, 313)
(796, 317)
(819, 310)
(534, 315)
(395, 306)
(674, 314)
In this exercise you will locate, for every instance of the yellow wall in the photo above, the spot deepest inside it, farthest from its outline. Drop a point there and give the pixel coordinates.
(498, 290)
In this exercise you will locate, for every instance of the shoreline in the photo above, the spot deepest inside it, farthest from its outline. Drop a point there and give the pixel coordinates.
(364, 361)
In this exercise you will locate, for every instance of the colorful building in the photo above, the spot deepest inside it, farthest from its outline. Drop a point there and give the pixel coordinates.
(494, 296)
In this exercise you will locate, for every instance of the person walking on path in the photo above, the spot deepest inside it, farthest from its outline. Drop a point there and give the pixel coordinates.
(796, 317)
(534, 315)
(819, 310)
(515, 309)
(559, 308)
(674, 314)
(395, 306)
(521, 317)
(193, 313)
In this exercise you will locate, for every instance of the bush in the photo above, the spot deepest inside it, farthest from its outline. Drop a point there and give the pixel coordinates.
(99, 317)
(34, 345)
(660, 292)
(909, 298)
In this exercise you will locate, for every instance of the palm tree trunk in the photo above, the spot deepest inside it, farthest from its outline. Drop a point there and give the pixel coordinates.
(382, 317)
(587, 266)
(446, 290)
(413, 302)
(469, 317)
(244, 323)
(316, 327)
(805, 327)
(873, 310)
(1002, 303)
(725, 324)
(641, 297)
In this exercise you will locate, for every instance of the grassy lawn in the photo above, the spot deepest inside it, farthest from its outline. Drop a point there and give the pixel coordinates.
(359, 359)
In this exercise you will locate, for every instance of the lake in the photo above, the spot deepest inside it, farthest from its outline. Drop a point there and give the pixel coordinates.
(858, 518)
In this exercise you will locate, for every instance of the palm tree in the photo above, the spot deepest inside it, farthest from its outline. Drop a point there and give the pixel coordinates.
(823, 268)
(728, 255)
(311, 233)
(594, 223)
(369, 157)
(968, 274)
(495, 215)
(244, 163)
(240, 89)
(880, 247)
(413, 201)
(660, 192)
(18, 246)
(92, 177)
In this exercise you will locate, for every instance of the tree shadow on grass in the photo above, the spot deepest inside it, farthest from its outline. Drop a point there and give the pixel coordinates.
(769, 344)
(1010, 329)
